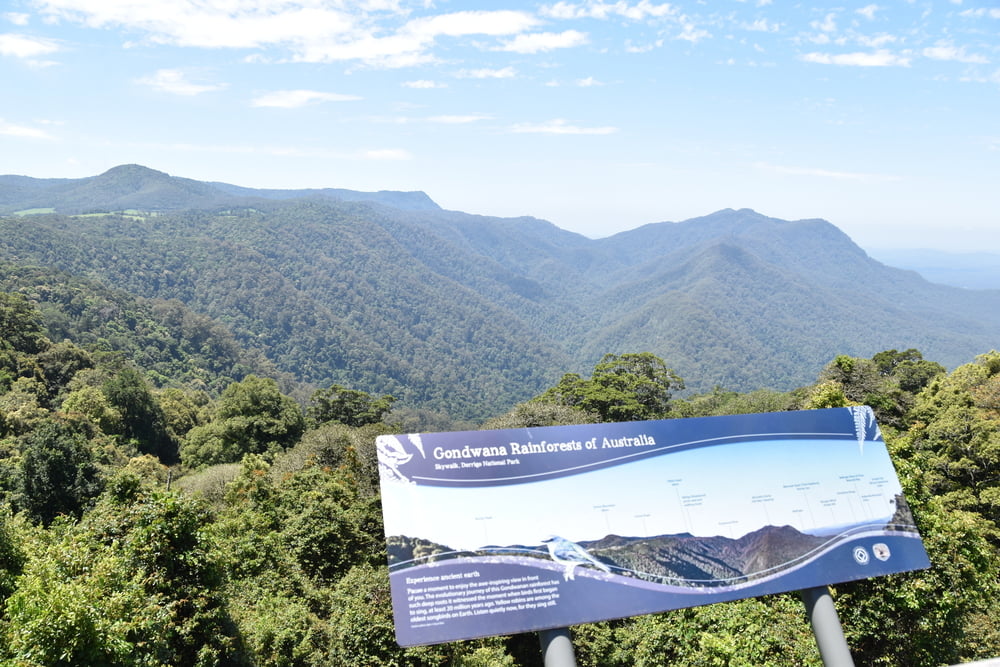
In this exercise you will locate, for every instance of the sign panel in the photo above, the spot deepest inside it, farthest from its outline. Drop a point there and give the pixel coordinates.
(507, 531)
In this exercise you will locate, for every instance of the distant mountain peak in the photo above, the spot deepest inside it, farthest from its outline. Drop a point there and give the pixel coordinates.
(133, 170)
(134, 186)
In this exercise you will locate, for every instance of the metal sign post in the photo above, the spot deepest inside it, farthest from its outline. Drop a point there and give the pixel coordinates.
(826, 627)
(557, 648)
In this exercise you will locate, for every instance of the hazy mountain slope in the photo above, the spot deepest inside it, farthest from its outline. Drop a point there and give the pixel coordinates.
(133, 186)
(121, 188)
(404, 200)
(974, 270)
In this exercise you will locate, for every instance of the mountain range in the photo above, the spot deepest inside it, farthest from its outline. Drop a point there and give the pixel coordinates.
(468, 314)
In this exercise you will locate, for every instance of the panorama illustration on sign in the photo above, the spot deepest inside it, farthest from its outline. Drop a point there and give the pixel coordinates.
(507, 531)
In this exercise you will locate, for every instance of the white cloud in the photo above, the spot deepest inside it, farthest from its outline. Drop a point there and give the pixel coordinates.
(763, 25)
(993, 77)
(458, 24)
(175, 81)
(424, 84)
(956, 53)
(22, 131)
(980, 13)
(410, 45)
(544, 41)
(208, 23)
(17, 18)
(292, 99)
(560, 126)
(486, 73)
(880, 58)
(692, 34)
(828, 24)
(868, 11)
(377, 32)
(630, 47)
(588, 82)
(596, 9)
(20, 46)
(876, 41)
(458, 120)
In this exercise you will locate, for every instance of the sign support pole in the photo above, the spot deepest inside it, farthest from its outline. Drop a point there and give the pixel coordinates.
(826, 627)
(557, 648)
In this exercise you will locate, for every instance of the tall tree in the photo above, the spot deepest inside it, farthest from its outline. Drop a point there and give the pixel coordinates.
(143, 421)
(350, 407)
(58, 473)
(21, 325)
(252, 417)
(631, 386)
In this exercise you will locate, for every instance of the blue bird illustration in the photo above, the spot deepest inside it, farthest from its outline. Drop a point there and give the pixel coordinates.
(571, 555)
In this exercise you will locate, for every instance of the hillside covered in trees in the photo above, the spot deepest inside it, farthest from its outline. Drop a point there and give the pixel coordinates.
(468, 315)
(166, 502)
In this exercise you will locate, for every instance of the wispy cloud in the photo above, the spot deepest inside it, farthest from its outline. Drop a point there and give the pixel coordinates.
(544, 41)
(175, 82)
(880, 58)
(876, 41)
(868, 11)
(692, 33)
(292, 99)
(424, 84)
(459, 24)
(956, 53)
(487, 73)
(981, 13)
(631, 47)
(458, 119)
(826, 173)
(17, 18)
(762, 25)
(23, 131)
(828, 24)
(559, 126)
(27, 48)
(596, 9)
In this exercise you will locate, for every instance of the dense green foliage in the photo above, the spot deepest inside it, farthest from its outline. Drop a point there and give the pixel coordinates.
(171, 343)
(263, 543)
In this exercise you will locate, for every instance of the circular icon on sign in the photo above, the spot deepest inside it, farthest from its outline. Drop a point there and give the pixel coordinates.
(861, 555)
(881, 551)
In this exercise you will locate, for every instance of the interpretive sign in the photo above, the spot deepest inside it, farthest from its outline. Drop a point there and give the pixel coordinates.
(499, 532)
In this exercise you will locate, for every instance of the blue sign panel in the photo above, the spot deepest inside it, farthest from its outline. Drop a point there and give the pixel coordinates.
(507, 531)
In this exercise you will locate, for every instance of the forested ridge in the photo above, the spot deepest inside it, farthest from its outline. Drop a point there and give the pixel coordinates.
(156, 512)
(467, 315)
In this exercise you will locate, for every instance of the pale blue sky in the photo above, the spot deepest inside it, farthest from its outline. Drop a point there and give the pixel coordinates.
(883, 118)
(727, 490)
